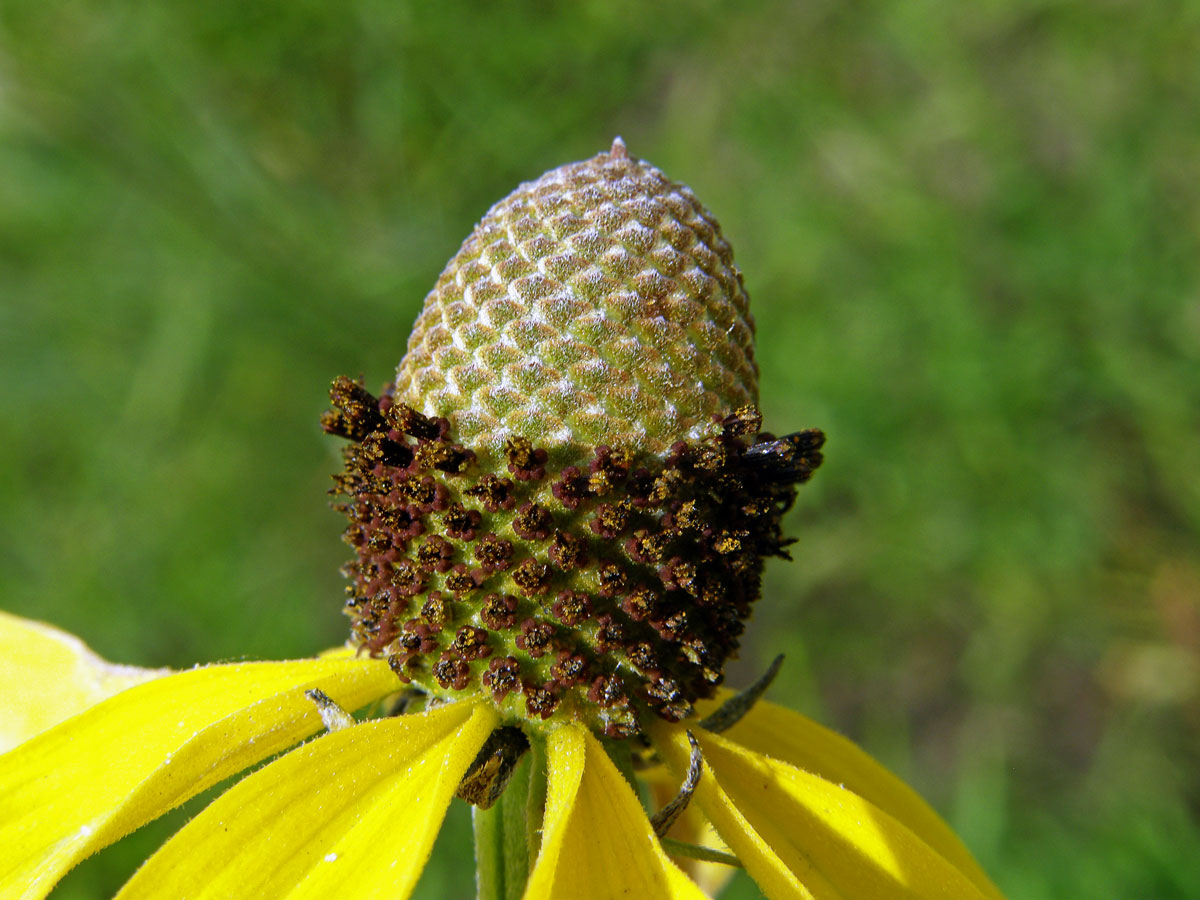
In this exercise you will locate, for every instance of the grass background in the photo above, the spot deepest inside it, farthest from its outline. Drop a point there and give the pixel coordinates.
(970, 233)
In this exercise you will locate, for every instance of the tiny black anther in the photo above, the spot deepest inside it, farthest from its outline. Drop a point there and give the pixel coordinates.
(681, 574)
(690, 517)
(620, 730)
(652, 547)
(729, 542)
(427, 635)
(713, 593)
(607, 469)
(671, 628)
(409, 642)
(639, 486)
(422, 493)
(402, 521)
(711, 457)
(667, 485)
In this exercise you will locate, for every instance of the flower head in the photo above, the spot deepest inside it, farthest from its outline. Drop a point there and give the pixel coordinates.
(559, 515)
(566, 499)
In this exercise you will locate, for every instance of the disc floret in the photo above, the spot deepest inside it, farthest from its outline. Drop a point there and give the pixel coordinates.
(604, 591)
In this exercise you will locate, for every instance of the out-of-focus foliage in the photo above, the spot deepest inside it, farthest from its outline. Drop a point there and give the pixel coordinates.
(970, 232)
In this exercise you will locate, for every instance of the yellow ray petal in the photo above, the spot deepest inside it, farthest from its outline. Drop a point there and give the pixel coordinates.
(597, 843)
(692, 828)
(47, 675)
(95, 777)
(792, 738)
(352, 815)
(801, 836)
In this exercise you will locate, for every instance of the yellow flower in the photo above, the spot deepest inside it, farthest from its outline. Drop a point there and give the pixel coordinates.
(559, 517)
(354, 813)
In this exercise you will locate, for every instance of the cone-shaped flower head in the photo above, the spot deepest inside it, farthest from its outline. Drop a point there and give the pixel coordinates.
(597, 305)
(565, 500)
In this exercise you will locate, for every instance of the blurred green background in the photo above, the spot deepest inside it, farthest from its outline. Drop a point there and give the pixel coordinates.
(970, 232)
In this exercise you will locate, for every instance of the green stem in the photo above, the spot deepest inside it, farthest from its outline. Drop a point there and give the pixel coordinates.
(693, 851)
(536, 798)
(501, 847)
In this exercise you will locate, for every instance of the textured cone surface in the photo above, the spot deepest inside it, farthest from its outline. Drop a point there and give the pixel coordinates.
(597, 304)
(566, 500)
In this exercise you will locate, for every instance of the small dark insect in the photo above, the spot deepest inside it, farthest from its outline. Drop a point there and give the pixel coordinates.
(791, 458)
(493, 767)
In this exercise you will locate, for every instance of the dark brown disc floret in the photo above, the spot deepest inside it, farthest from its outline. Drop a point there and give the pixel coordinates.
(503, 676)
(604, 585)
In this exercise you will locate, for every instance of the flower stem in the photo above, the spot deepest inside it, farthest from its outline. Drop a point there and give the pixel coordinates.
(502, 851)
(705, 854)
(535, 804)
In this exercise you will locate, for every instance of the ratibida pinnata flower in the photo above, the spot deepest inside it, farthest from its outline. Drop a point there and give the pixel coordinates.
(558, 515)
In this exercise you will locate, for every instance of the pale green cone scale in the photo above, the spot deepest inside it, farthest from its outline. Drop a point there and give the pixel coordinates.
(597, 304)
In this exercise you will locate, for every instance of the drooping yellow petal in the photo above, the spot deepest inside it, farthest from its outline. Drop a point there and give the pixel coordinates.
(99, 775)
(597, 843)
(801, 836)
(48, 675)
(691, 828)
(795, 739)
(352, 815)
